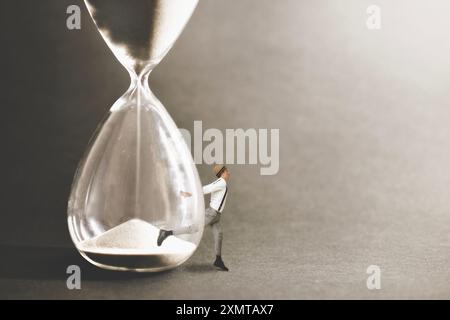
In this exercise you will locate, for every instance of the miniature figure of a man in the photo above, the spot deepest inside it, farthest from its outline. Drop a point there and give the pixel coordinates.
(219, 191)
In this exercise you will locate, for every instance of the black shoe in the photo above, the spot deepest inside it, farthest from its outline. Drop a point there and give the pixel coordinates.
(163, 234)
(219, 264)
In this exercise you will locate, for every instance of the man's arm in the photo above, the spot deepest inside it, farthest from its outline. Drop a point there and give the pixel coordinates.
(215, 186)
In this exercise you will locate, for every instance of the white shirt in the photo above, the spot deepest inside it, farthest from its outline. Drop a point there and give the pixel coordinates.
(219, 191)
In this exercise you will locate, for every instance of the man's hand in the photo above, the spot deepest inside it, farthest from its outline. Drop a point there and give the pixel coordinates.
(185, 194)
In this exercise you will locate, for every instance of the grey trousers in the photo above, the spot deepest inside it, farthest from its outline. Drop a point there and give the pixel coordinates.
(212, 218)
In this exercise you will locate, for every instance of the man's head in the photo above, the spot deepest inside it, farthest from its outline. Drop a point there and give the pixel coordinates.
(221, 171)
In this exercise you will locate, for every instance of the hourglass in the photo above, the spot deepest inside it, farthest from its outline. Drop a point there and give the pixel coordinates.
(137, 175)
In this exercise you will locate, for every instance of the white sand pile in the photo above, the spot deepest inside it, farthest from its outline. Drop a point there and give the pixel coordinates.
(135, 237)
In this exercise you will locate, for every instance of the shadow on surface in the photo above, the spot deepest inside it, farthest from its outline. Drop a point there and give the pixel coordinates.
(46, 262)
(200, 268)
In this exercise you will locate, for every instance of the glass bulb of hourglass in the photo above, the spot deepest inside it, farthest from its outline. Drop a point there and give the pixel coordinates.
(137, 175)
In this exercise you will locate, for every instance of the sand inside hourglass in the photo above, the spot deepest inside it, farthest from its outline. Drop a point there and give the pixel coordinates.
(132, 245)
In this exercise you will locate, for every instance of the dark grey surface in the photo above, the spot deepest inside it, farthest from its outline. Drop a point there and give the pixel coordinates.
(364, 175)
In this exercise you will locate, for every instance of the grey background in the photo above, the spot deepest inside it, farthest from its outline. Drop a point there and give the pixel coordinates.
(364, 159)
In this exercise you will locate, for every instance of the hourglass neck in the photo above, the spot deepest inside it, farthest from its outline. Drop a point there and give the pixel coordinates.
(139, 76)
(138, 92)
